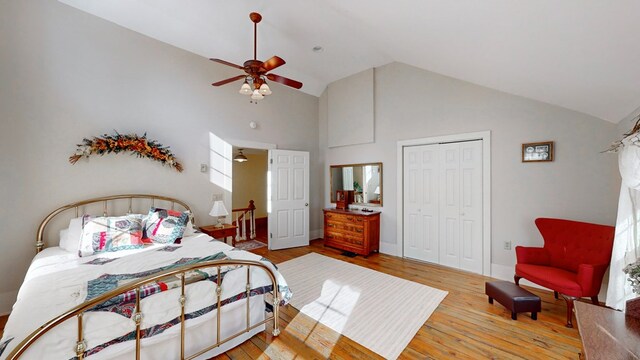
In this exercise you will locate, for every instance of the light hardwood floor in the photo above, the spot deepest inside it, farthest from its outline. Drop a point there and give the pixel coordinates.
(464, 326)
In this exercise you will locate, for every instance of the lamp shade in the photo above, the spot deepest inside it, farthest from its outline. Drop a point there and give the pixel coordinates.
(218, 209)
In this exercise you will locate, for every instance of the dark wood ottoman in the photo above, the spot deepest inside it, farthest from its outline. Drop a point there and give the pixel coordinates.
(514, 298)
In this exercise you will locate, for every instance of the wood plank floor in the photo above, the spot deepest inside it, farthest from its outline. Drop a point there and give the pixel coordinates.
(464, 326)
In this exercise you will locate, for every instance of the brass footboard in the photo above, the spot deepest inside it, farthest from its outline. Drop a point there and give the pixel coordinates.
(79, 310)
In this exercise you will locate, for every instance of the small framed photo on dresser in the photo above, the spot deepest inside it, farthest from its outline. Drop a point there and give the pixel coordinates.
(536, 152)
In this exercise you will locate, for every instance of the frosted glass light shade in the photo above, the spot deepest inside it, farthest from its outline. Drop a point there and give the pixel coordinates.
(256, 95)
(264, 89)
(245, 89)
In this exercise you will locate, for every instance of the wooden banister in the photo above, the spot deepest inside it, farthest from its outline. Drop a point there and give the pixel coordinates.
(241, 218)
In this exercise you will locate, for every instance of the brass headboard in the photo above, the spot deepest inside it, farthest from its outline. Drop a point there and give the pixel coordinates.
(105, 200)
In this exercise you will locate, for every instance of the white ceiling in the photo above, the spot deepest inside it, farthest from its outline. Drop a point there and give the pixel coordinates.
(580, 54)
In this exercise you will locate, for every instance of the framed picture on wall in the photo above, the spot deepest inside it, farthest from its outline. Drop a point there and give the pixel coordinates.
(536, 152)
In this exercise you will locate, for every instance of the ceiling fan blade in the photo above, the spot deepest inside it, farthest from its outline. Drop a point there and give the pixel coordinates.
(223, 82)
(227, 63)
(272, 63)
(285, 81)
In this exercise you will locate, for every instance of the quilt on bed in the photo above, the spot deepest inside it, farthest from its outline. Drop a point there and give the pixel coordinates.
(57, 283)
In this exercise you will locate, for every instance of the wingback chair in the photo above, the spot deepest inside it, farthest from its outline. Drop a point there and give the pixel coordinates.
(572, 262)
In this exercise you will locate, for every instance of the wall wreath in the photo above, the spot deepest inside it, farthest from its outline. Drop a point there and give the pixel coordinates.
(138, 145)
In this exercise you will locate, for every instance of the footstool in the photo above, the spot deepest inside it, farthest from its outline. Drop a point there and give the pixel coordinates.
(514, 298)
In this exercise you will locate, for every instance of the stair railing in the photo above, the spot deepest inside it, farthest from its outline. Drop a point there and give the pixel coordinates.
(243, 215)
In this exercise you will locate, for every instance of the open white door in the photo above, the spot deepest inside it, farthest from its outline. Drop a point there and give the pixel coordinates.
(288, 199)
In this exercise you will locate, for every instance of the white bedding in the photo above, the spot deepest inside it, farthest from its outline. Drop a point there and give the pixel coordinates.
(57, 281)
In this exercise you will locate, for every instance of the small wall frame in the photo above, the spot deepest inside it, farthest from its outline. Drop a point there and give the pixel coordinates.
(537, 152)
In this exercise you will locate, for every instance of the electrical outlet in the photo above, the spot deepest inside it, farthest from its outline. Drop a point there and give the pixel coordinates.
(507, 245)
(204, 168)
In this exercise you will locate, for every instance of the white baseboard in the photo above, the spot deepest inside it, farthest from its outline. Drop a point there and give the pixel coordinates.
(7, 299)
(316, 234)
(388, 248)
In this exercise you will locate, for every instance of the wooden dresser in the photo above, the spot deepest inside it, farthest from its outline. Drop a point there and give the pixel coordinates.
(352, 230)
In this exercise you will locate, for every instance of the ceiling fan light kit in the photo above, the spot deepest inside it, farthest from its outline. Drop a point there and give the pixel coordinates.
(257, 72)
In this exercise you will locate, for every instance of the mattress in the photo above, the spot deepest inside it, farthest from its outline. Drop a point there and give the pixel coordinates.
(58, 280)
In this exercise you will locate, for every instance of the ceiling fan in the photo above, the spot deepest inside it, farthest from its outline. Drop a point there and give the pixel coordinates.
(257, 72)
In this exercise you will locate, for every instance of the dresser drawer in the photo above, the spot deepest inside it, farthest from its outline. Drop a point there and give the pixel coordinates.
(345, 218)
(356, 228)
(344, 238)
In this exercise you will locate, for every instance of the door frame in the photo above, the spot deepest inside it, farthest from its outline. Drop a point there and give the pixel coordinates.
(247, 144)
(485, 136)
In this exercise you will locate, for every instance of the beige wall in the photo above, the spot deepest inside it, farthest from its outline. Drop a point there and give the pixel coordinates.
(250, 183)
(65, 75)
(580, 184)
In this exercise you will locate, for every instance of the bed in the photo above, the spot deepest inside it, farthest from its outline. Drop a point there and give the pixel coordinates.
(188, 300)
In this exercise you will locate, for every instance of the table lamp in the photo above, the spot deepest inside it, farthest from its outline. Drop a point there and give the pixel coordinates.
(218, 210)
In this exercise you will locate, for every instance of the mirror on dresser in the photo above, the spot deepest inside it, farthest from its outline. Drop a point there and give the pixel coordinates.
(365, 180)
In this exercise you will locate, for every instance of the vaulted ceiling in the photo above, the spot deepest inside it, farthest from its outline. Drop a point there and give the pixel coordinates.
(580, 54)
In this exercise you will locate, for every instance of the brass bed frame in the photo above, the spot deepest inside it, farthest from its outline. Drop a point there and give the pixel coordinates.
(79, 310)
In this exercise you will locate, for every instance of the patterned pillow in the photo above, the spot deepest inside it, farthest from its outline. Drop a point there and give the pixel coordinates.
(103, 234)
(165, 226)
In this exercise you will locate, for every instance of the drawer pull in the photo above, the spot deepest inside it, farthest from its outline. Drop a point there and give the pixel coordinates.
(350, 218)
(359, 231)
(359, 219)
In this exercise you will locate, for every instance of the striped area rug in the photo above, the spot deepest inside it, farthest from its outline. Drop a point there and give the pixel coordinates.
(379, 311)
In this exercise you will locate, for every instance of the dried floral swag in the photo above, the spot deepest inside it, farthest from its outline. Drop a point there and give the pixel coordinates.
(138, 145)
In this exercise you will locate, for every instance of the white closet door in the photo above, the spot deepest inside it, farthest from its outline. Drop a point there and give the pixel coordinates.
(471, 206)
(450, 209)
(461, 205)
(421, 202)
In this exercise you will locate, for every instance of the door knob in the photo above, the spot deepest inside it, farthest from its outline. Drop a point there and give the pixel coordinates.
(306, 204)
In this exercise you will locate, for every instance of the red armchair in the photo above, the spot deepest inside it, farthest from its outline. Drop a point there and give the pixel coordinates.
(572, 262)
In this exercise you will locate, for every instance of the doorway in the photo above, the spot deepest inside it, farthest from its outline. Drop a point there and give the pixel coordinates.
(444, 201)
(249, 195)
(277, 185)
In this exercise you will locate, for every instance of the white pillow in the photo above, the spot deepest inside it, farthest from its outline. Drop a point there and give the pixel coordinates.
(64, 234)
(74, 234)
(188, 229)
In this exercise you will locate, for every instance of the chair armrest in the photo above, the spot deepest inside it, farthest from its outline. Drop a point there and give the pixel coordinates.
(590, 278)
(532, 255)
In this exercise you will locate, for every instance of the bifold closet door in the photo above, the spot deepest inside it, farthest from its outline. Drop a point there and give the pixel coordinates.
(461, 205)
(442, 218)
(421, 166)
